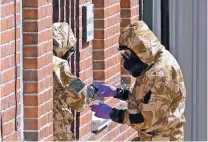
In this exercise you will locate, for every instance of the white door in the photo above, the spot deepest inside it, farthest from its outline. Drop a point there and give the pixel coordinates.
(188, 43)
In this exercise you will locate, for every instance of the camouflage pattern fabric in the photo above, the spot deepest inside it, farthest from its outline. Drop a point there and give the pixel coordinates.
(164, 113)
(63, 38)
(69, 93)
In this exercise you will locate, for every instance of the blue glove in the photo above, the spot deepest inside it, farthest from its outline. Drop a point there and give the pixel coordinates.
(101, 110)
(105, 90)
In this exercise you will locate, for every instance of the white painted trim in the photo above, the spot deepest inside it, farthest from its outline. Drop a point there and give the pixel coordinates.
(21, 75)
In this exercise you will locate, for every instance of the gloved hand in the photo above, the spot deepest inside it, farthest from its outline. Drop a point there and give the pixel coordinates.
(105, 90)
(101, 110)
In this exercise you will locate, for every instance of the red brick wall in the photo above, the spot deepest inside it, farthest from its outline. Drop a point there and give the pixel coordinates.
(106, 59)
(10, 65)
(37, 69)
(106, 69)
(83, 62)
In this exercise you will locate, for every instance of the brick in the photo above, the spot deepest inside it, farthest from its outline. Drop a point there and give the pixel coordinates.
(6, 1)
(30, 63)
(4, 103)
(8, 48)
(107, 12)
(7, 23)
(107, 22)
(101, 134)
(114, 80)
(129, 3)
(38, 99)
(49, 138)
(112, 71)
(30, 39)
(89, 81)
(46, 107)
(8, 88)
(105, 138)
(85, 75)
(110, 41)
(29, 3)
(99, 75)
(110, 51)
(46, 131)
(112, 125)
(34, 3)
(106, 3)
(104, 33)
(11, 99)
(46, 35)
(5, 129)
(9, 114)
(86, 118)
(98, 3)
(85, 129)
(31, 124)
(8, 36)
(98, 44)
(33, 136)
(111, 61)
(98, 55)
(127, 21)
(112, 102)
(128, 13)
(134, 134)
(7, 10)
(98, 65)
(37, 26)
(30, 26)
(35, 51)
(31, 112)
(114, 133)
(30, 87)
(85, 64)
(31, 100)
(123, 127)
(30, 14)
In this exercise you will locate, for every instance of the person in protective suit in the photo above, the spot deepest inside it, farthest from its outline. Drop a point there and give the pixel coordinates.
(69, 91)
(157, 101)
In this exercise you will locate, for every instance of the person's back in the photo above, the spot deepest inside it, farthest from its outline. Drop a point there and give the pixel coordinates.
(164, 119)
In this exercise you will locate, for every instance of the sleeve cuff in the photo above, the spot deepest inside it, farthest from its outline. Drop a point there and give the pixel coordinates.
(117, 115)
(122, 93)
(136, 118)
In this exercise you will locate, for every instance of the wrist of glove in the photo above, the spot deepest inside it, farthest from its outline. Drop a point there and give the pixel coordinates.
(122, 93)
(101, 110)
(104, 90)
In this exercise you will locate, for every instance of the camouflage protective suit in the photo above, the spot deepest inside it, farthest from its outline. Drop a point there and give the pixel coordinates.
(69, 91)
(164, 113)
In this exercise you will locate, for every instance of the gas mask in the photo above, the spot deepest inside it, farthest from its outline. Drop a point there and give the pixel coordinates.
(132, 63)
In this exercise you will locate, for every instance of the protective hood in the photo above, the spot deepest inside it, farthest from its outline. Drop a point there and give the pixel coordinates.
(63, 38)
(142, 41)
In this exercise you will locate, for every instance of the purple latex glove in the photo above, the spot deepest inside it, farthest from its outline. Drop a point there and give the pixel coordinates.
(101, 110)
(105, 90)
